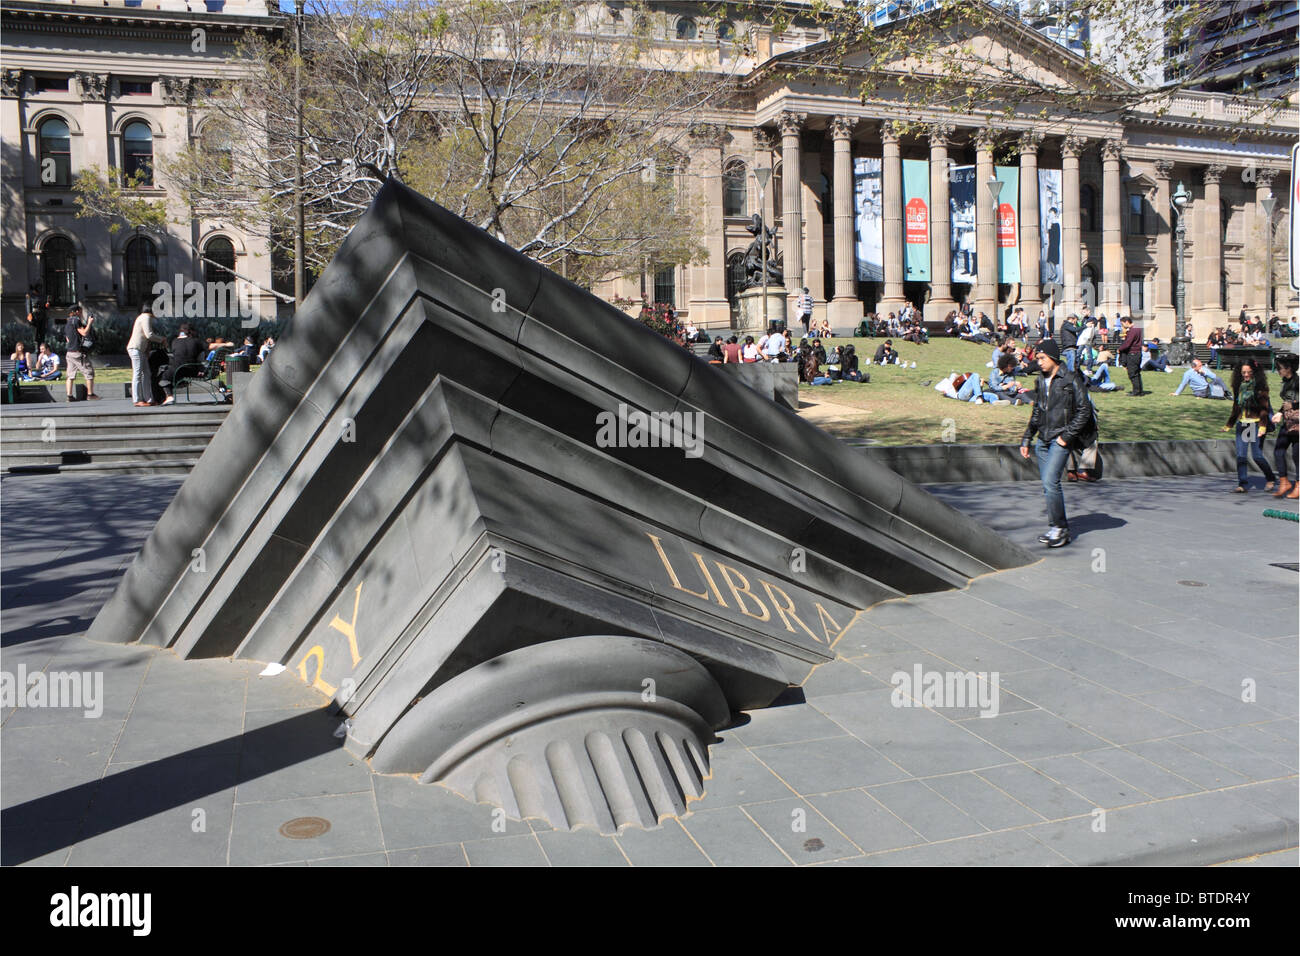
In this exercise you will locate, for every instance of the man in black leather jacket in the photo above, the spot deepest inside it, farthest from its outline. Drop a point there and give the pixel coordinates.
(1063, 420)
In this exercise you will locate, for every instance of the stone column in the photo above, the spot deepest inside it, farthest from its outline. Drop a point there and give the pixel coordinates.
(845, 309)
(1260, 265)
(791, 125)
(764, 144)
(1031, 243)
(1071, 227)
(1163, 311)
(1113, 293)
(1208, 311)
(814, 231)
(891, 181)
(986, 228)
(708, 302)
(941, 301)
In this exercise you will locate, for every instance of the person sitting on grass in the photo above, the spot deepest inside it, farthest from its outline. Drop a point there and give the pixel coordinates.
(1003, 384)
(19, 357)
(45, 366)
(1098, 377)
(1153, 361)
(965, 387)
(849, 371)
(1204, 383)
(885, 355)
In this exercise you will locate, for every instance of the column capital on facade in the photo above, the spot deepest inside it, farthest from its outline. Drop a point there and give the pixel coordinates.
(1030, 140)
(889, 133)
(1214, 172)
(710, 134)
(764, 139)
(11, 82)
(791, 124)
(93, 87)
(986, 138)
(1073, 146)
(1164, 168)
(1112, 150)
(176, 90)
(841, 127)
(1264, 177)
(941, 134)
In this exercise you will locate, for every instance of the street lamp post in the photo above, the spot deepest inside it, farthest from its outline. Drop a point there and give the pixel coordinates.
(1180, 349)
(1268, 206)
(761, 175)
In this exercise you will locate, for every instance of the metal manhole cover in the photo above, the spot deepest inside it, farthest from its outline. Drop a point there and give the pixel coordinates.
(1192, 584)
(304, 828)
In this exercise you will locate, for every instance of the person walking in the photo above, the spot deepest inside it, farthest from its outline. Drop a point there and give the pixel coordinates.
(137, 347)
(1251, 412)
(1130, 351)
(804, 308)
(77, 334)
(1063, 420)
(1288, 433)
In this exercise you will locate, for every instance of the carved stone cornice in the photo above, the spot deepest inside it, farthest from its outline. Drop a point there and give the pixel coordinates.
(1214, 172)
(1164, 168)
(1112, 150)
(1029, 141)
(11, 82)
(176, 90)
(93, 87)
(765, 140)
(1073, 146)
(841, 127)
(791, 124)
(941, 134)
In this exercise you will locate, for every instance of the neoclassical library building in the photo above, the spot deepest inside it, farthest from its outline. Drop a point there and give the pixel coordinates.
(875, 203)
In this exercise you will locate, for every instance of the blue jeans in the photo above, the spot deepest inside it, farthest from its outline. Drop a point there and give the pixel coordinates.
(970, 390)
(1052, 457)
(1069, 355)
(1256, 451)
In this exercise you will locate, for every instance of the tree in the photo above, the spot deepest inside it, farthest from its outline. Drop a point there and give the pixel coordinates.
(555, 128)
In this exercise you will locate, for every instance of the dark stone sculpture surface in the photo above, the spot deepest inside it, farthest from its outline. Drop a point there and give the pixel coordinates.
(409, 507)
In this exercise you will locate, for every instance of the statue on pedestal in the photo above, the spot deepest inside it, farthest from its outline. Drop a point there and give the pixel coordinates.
(754, 255)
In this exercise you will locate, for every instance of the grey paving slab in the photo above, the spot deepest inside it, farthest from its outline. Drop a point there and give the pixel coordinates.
(1045, 796)
(580, 848)
(1033, 733)
(358, 859)
(865, 820)
(449, 854)
(670, 845)
(739, 777)
(781, 725)
(1092, 784)
(981, 801)
(966, 649)
(413, 815)
(836, 763)
(510, 851)
(1278, 797)
(1012, 848)
(839, 677)
(270, 734)
(800, 831)
(255, 837)
(1260, 739)
(1139, 772)
(1089, 706)
(1202, 707)
(731, 838)
(1188, 765)
(925, 811)
(1102, 666)
(920, 741)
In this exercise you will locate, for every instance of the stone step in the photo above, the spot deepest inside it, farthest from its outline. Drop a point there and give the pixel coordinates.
(30, 440)
(170, 466)
(16, 461)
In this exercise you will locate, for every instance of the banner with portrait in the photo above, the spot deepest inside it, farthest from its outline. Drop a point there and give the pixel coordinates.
(916, 220)
(961, 202)
(1008, 224)
(1049, 227)
(868, 222)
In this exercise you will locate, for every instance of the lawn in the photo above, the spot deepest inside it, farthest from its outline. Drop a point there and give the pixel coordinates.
(896, 409)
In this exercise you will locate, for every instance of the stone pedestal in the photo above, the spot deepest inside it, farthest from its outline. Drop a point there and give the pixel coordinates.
(751, 308)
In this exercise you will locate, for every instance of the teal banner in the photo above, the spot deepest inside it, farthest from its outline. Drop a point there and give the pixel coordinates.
(1008, 224)
(916, 220)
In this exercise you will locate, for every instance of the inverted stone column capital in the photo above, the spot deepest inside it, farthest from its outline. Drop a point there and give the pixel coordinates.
(841, 127)
(791, 124)
(1213, 173)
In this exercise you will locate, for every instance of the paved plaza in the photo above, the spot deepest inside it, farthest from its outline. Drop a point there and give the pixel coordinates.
(1146, 713)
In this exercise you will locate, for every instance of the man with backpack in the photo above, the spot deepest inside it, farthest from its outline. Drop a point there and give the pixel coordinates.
(1064, 422)
(77, 336)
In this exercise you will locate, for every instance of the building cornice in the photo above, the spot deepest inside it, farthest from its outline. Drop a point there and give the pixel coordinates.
(143, 24)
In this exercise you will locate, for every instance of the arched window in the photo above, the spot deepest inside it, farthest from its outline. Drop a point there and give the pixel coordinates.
(726, 30)
(219, 260)
(137, 153)
(686, 29)
(1087, 208)
(141, 261)
(735, 275)
(59, 270)
(56, 153)
(734, 200)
